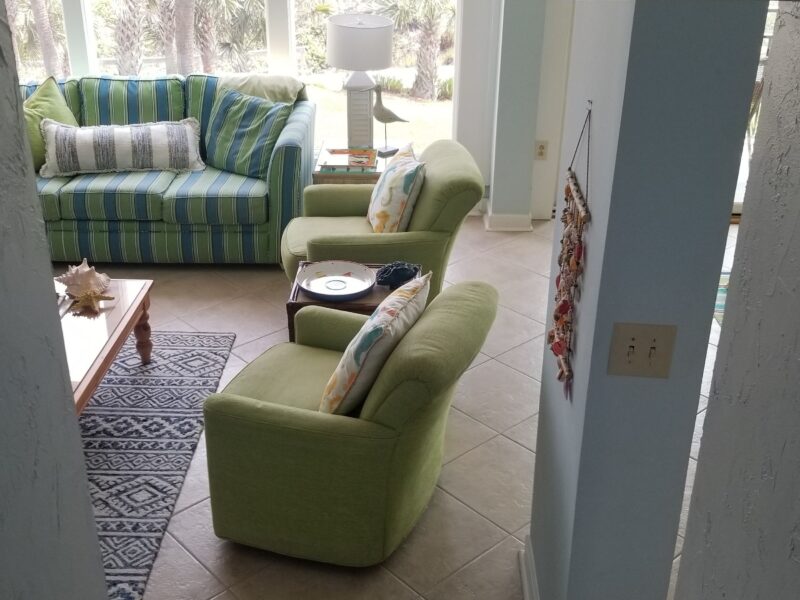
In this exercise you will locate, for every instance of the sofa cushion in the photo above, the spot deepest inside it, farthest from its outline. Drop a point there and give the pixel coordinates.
(287, 374)
(48, 188)
(122, 100)
(47, 102)
(132, 196)
(69, 87)
(167, 146)
(242, 132)
(215, 197)
(201, 90)
(395, 193)
(278, 88)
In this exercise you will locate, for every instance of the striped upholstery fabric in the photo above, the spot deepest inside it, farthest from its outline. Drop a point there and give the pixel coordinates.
(159, 242)
(242, 132)
(291, 166)
(134, 196)
(48, 195)
(168, 145)
(122, 101)
(215, 197)
(69, 87)
(201, 90)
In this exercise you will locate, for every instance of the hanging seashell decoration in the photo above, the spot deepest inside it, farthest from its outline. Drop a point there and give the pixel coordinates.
(570, 264)
(85, 286)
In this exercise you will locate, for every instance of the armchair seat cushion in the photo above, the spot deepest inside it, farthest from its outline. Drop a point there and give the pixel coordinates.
(302, 229)
(287, 374)
(215, 197)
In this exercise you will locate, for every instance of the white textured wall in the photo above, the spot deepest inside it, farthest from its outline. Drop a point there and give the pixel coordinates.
(48, 544)
(743, 536)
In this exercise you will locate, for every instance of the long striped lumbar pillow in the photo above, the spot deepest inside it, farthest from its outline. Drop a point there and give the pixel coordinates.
(166, 146)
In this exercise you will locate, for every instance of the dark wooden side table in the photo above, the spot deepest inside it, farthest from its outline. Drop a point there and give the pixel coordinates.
(365, 305)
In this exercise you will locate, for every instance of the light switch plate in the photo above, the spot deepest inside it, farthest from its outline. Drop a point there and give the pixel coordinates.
(641, 350)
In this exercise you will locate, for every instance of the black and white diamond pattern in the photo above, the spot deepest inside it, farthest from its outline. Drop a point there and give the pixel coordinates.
(139, 433)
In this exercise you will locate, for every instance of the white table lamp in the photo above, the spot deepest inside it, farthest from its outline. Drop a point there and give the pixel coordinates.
(359, 43)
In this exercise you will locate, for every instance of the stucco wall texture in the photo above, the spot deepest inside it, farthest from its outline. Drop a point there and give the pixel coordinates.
(48, 544)
(743, 536)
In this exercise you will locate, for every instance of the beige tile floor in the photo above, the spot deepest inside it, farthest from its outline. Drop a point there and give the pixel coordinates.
(466, 544)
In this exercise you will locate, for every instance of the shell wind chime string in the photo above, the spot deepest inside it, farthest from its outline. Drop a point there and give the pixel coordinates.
(574, 217)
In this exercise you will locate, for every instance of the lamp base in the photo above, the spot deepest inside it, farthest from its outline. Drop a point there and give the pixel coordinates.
(387, 151)
(359, 110)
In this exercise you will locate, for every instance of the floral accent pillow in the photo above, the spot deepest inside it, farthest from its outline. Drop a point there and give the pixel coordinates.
(367, 352)
(396, 193)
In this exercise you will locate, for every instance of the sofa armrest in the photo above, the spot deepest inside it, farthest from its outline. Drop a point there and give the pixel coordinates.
(337, 200)
(328, 328)
(290, 167)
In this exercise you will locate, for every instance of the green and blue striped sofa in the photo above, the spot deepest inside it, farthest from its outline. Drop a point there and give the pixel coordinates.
(208, 216)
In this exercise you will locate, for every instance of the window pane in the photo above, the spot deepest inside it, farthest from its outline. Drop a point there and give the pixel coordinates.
(153, 37)
(38, 36)
(417, 87)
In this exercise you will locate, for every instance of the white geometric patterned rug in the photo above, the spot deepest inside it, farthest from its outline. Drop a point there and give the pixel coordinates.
(140, 431)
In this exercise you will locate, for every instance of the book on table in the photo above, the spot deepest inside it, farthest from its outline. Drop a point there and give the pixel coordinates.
(348, 160)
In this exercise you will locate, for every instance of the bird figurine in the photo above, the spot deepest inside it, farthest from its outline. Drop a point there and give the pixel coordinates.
(385, 116)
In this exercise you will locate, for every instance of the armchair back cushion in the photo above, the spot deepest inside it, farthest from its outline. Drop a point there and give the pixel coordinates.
(453, 186)
(126, 101)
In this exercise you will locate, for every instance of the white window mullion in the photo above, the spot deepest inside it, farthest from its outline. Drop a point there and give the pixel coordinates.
(80, 37)
(280, 36)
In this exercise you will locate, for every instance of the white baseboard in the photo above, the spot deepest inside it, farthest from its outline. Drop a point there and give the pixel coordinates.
(500, 222)
(527, 571)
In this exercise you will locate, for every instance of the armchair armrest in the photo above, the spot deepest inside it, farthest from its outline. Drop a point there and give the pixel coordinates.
(326, 327)
(337, 200)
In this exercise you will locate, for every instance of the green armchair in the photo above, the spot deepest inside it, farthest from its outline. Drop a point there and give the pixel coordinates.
(332, 488)
(334, 223)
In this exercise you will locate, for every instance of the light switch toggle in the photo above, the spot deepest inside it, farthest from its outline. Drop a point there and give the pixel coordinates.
(641, 350)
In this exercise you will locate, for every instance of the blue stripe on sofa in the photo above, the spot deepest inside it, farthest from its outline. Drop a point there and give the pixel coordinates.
(162, 100)
(132, 101)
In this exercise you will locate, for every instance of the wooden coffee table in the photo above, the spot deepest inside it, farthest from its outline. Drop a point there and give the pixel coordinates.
(92, 343)
(364, 306)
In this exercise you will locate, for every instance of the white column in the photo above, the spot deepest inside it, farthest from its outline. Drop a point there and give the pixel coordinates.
(667, 132)
(474, 97)
(80, 38)
(280, 37)
(49, 541)
(520, 63)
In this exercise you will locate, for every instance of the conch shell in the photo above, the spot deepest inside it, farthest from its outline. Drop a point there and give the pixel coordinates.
(82, 280)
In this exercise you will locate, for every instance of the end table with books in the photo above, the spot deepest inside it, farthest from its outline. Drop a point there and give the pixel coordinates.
(339, 164)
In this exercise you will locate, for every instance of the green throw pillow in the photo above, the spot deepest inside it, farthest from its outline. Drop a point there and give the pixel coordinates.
(242, 132)
(47, 102)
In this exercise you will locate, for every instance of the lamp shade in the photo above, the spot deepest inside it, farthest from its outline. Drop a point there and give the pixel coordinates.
(359, 42)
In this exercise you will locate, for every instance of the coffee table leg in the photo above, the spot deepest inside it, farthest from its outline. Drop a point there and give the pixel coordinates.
(144, 346)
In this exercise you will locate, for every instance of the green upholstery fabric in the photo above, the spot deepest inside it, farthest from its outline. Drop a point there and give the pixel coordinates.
(48, 188)
(328, 328)
(297, 376)
(300, 231)
(69, 87)
(452, 187)
(215, 197)
(242, 132)
(123, 100)
(339, 489)
(159, 242)
(126, 196)
(46, 102)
